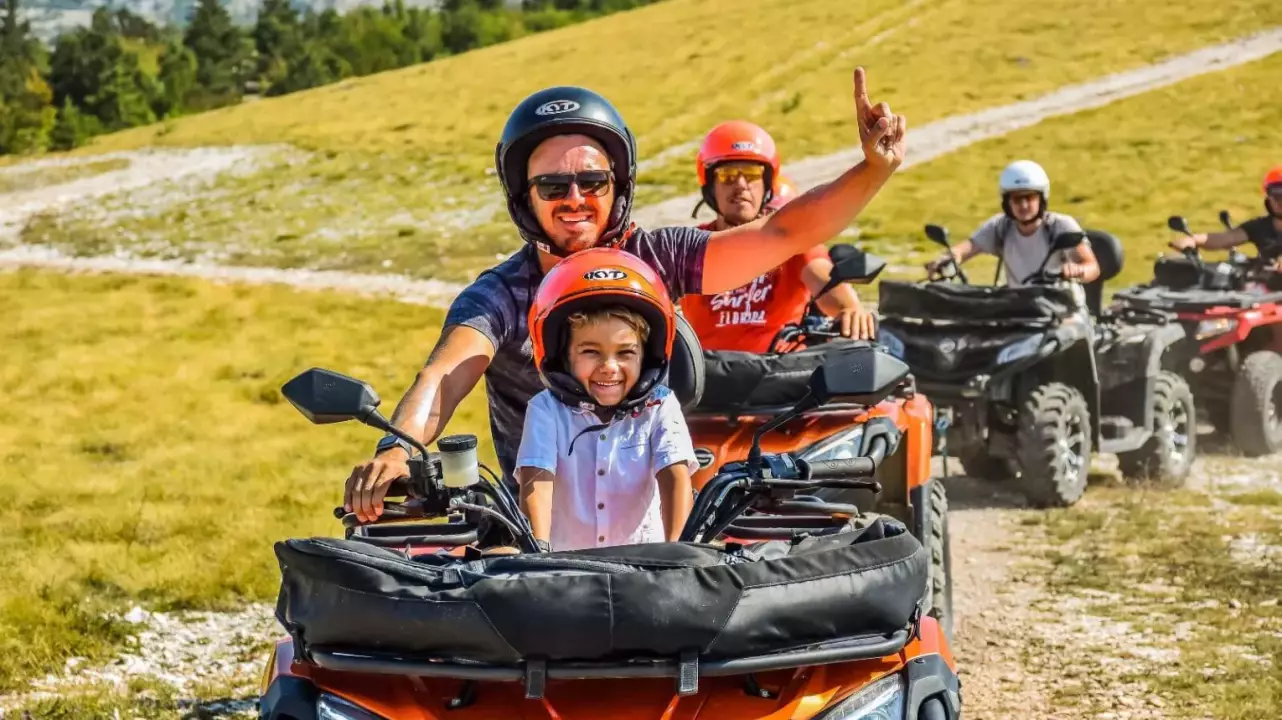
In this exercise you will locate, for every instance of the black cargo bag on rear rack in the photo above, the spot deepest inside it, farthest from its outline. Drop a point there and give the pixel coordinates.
(939, 301)
(740, 382)
(627, 602)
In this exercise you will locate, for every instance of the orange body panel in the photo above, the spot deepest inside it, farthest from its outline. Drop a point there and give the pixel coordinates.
(802, 692)
(730, 441)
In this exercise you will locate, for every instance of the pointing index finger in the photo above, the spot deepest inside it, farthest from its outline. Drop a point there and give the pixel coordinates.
(861, 91)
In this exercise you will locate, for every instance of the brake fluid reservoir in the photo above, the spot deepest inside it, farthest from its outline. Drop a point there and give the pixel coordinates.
(458, 460)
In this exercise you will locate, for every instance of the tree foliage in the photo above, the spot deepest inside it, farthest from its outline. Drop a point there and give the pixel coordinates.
(123, 71)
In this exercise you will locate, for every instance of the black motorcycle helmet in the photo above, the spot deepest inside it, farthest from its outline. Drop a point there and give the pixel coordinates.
(565, 110)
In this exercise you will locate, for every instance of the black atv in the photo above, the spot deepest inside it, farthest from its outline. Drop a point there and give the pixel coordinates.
(1232, 315)
(1030, 380)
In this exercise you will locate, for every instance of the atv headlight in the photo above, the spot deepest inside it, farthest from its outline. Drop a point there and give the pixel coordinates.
(1218, 326)
(893, 344)
(1021, 349)
(883, 700)
(332, 707)
(842, 446)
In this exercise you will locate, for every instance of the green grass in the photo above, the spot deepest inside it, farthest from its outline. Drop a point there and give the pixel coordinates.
(400, 167)
(1169, 561)
(148, 455)
(19, 180)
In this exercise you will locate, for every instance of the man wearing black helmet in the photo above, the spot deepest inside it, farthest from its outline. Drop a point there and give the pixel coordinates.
(567, 163)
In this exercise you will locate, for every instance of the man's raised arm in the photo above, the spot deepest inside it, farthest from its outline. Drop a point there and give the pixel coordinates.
(736, 256)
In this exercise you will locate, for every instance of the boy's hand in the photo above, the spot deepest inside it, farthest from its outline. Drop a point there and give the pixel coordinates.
(367, 485)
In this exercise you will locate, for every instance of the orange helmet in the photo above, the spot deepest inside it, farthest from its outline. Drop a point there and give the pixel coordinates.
(785, 191)
(1272, 177)
(590, 279)
(736, 140)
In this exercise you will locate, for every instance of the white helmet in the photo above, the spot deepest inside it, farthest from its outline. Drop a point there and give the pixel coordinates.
(1025, 175)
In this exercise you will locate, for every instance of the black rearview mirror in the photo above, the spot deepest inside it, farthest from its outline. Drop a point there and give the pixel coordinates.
(1178, 224)
(324, 396)
(861, 375)
(1226, 220)
(841, 251)
(938, 234)
(857, 266)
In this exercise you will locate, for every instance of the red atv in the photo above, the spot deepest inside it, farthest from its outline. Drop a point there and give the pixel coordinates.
(1232, 357)
(773, 604)
(740, 392)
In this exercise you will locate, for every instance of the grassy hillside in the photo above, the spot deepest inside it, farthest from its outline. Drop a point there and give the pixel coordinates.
(398, 179)
(148, 455)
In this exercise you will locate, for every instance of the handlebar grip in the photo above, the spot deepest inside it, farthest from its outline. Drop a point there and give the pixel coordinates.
(839, 469)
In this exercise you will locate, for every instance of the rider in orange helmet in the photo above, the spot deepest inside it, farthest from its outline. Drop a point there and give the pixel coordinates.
(1265, 232)
(605, 456)
(738, 171)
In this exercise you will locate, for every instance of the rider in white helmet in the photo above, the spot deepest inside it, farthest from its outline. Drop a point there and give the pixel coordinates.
(1020, 236)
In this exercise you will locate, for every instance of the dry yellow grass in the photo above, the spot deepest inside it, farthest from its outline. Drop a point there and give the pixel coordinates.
(147, 453)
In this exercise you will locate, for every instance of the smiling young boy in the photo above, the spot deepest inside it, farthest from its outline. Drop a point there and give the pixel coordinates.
(605, 456)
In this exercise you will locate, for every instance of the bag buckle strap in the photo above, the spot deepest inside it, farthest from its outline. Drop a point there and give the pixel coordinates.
(688, 673)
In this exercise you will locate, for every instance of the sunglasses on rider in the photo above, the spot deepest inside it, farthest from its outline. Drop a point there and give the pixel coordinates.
(728, 174)
(556, 186)
(1275, 191)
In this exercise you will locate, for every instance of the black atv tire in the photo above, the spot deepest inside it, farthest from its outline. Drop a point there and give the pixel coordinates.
(1168, 455)
(1054, 421)
(1256, 426)
(977, 463)
(941, 558)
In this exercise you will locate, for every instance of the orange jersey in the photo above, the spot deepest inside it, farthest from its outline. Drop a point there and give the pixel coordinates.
(748, 317)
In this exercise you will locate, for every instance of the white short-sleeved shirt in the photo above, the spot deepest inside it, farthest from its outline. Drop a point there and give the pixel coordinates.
(606, 492)
(1023, 254)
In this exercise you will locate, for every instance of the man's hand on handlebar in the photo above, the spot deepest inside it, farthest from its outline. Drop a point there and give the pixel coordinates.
(935, 266)
(1072, 271)
(368, 484)
(857, 323)
(1188, 242)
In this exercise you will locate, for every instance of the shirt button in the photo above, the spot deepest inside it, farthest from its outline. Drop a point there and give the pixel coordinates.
(600, 472)
(601, 539)
(602, 436)
(600, 506)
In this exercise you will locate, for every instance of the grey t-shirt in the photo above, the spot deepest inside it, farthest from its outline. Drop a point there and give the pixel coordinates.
(497, 304)
(1023, 254)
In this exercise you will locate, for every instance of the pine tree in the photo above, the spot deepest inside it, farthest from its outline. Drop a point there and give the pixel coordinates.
(26, 102)
(221, 50)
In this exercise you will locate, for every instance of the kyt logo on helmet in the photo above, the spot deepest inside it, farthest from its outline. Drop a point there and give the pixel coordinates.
(605, 274)
(556, 107)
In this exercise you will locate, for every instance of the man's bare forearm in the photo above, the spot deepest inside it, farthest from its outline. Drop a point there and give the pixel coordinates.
(736, 256)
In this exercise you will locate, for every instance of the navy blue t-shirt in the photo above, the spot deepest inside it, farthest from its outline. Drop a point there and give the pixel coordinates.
(497, 304)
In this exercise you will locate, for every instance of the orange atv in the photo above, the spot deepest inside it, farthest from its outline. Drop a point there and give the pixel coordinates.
(741, 392)
(773, 605)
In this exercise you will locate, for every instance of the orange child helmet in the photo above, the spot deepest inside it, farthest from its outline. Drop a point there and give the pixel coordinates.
(785, 191)
(590, 279)
(736, 140)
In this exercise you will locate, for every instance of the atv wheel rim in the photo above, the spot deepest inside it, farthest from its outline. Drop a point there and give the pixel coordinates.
(1178, 429)
(1073, 446)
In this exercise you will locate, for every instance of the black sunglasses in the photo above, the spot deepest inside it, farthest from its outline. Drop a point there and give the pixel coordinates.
(556, 186)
